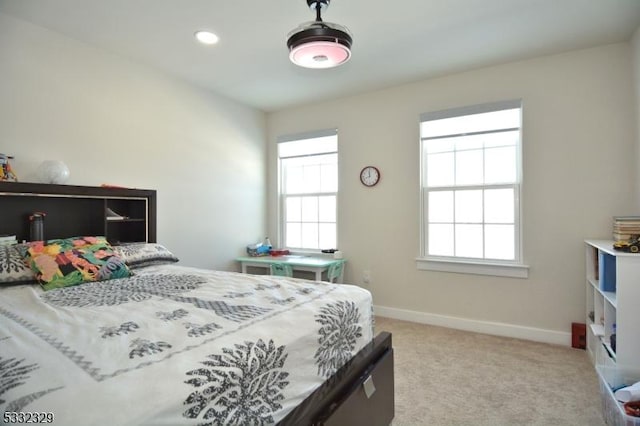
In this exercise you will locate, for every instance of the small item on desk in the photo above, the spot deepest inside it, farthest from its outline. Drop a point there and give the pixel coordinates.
(279, 252)
(258, 249)
(337, 254)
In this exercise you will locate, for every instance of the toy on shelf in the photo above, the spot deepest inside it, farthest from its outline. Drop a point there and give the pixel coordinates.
(630, 246)
(6, 173)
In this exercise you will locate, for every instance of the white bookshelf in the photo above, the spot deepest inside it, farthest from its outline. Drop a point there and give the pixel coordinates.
(613, 296)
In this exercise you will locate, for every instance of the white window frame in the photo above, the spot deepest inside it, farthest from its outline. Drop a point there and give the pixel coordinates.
(282, 197)
(509, 268)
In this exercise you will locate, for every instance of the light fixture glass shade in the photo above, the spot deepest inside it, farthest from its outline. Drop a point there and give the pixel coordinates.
(319, 44)
(53, 171)
(319, 54)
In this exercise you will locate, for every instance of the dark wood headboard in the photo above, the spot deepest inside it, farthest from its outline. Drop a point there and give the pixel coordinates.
(78, 211)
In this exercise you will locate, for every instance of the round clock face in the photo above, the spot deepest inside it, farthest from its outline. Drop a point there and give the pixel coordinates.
(369, 176)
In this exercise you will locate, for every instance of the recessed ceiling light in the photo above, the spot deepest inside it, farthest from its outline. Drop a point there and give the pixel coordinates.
(206, 37)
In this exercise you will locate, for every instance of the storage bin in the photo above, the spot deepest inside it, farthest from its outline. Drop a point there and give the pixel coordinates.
(606, 367)
(607, 272)
(612, 410)
(609, 371)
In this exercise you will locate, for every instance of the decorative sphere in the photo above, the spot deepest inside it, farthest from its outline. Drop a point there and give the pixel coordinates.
(53, 171)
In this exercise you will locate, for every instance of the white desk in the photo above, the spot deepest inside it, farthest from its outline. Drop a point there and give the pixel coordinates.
(316, 265)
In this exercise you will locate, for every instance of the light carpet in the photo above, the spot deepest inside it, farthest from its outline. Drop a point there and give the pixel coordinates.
(451, 377)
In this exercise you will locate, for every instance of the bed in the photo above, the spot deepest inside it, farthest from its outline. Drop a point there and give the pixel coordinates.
(172, 345)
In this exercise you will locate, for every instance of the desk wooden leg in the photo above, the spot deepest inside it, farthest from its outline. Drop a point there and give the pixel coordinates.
(244, 268)
(318, 274)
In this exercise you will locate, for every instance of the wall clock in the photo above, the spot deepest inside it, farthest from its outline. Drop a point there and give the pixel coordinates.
(369, 176)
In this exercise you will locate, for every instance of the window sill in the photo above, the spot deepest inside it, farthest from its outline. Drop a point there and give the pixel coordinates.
(513, 270)
(311, 253)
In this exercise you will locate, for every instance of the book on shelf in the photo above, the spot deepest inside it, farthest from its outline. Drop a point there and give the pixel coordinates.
(624, 237)
(626, 228)
(626, 218)
(626, 222)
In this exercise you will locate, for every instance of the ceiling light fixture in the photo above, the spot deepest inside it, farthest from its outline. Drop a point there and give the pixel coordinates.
(206, 37)
(319, 44)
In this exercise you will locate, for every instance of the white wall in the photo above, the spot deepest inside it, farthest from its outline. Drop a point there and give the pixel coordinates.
(114, 121)
(635, 49)
(578, 136)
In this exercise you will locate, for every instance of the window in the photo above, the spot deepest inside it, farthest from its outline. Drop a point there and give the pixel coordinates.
(308, 190)
(471, 176)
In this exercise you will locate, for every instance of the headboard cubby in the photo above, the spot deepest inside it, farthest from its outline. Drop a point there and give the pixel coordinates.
(79, 211)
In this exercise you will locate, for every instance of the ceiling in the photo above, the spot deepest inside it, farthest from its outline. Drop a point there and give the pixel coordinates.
(395, 42)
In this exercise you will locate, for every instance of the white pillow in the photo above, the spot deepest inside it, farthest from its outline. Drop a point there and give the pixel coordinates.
(13, 268)
(139, 255)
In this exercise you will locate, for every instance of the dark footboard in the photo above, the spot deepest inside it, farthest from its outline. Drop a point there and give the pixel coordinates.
(360, 393)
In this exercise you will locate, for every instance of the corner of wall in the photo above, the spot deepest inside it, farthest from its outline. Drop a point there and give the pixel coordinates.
(635, 57)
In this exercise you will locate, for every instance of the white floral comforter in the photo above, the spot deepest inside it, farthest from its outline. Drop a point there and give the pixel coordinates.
(174, 345)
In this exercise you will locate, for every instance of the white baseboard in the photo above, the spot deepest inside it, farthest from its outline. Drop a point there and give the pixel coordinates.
(486, 327)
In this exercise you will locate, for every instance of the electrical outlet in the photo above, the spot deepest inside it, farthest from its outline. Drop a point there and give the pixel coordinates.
(366, 276)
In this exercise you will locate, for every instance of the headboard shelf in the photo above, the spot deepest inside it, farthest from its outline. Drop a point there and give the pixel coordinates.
(73, 210)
